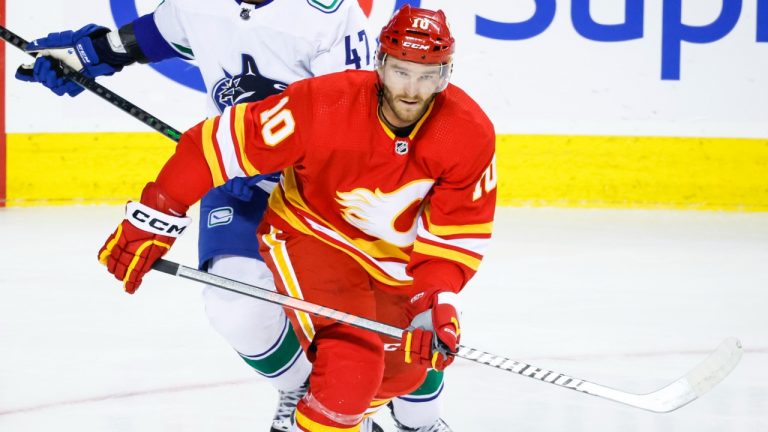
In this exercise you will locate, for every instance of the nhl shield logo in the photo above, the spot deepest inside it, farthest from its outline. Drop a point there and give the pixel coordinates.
(401, 146)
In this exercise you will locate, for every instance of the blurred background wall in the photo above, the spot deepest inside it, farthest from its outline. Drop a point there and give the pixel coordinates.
(601, 103)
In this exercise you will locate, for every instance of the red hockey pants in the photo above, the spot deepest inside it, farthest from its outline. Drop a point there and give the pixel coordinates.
(350, 366)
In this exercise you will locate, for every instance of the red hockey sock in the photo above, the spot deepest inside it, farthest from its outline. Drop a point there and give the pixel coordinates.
(347, 370)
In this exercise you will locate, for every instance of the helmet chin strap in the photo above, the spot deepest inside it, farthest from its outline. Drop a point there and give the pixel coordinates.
(398, 131)
(384, 118)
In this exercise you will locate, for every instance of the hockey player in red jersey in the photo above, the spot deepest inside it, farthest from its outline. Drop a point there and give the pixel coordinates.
(384, 210)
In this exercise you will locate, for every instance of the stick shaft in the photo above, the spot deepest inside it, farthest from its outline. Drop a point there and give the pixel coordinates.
(276, 298)
(101, 91)
(671, 397)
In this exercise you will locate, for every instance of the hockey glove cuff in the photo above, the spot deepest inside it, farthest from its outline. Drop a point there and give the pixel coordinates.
(147, 233)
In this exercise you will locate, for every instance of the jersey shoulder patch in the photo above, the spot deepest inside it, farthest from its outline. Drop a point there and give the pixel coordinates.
(326, 6)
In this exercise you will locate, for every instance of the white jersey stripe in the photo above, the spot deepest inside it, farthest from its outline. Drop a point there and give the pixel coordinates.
(395, 270)
(228, 147)
(239, 137)
(475, 245)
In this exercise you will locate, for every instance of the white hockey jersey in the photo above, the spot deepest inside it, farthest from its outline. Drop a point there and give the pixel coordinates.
(247, 52)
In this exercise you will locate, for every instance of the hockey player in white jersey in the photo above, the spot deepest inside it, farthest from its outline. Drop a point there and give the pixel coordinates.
(246, 50)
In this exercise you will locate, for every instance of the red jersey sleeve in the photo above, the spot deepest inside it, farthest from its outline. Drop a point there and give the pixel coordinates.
(454, 229)
(245, 140)
(255, 138)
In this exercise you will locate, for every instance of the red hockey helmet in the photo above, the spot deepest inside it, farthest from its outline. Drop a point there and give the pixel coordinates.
(417, 35)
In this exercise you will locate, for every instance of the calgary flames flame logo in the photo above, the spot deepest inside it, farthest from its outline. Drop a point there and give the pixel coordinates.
(375, 212)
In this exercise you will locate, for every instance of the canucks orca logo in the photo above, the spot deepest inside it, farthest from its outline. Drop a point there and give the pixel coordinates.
(247, 86)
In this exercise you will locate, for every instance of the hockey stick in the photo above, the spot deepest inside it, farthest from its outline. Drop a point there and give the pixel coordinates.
(101, 91)
(669, 398)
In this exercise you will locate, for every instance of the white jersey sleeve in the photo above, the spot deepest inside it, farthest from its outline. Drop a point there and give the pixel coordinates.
(247, 51)
(167, 17)
(349, 47)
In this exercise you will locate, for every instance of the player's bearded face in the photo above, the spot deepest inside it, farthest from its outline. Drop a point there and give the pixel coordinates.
(408, 89)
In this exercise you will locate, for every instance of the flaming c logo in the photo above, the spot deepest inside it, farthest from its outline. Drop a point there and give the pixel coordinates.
(186, 74)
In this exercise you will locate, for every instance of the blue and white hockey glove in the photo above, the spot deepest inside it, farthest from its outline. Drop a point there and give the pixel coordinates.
(93, 51)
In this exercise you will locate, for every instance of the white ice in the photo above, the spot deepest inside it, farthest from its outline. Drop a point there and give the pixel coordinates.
(628, 299)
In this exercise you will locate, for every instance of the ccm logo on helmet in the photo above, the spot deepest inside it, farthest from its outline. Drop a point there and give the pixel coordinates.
(415, 46)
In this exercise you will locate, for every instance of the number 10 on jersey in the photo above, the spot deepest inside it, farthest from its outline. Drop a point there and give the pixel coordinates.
(277, 123)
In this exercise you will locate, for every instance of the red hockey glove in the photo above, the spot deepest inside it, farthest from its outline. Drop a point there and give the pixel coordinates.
(146, 234)
(432, 339)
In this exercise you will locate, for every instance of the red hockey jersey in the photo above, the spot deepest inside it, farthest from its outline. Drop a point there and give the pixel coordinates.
(393, 204)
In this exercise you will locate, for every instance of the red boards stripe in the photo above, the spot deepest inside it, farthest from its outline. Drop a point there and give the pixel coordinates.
(366, 6)
(3, 151)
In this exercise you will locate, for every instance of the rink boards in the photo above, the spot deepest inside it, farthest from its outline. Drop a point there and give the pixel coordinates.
(631, 104)
(533, 170)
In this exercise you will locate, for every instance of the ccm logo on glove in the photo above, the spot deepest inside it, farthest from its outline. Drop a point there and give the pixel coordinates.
(150, 220)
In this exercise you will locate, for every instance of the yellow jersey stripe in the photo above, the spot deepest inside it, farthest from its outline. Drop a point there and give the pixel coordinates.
(305, 423)
(280, 257)
(376, 248)
(422, 120)
(446, 230)
(240, 136)
(210, 153)
(280, 208)
(416, 128)
(375, 406)
(428, 249)
(277, 204)
(379, 402)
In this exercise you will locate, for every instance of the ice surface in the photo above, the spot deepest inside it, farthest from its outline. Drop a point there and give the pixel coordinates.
(629, 299)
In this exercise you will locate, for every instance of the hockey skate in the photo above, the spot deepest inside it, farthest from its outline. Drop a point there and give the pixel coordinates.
(286, 406)
(369, 425)
(438, 426)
